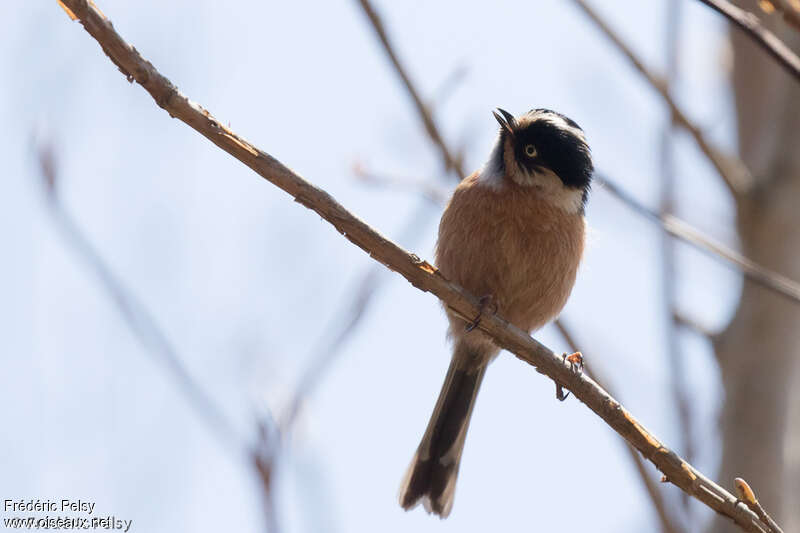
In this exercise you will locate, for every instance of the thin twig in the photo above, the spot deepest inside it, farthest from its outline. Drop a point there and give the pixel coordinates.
(731, 169)
(329, 345)
(650, 486)
(694, 326)
(747, 496)
(451, 161)
(418, 272)
(264, 455)
(140, 321)
(767, 40)
(447, 87)
(434, 193)
(751, 270)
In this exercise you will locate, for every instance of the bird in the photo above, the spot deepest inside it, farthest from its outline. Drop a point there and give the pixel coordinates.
(512, 234)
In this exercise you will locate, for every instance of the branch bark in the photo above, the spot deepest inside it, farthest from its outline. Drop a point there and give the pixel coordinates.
(764, 38)
(417, 271)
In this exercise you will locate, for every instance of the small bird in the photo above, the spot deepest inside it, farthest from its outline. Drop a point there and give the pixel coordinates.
(512, 234)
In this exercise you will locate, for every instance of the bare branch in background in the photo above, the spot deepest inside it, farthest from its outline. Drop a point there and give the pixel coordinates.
(329, 345)
(667, 525)
(447, 87)
(265, 456)
(678, 228)
(418, 272)
(767, 40)
(451, 161)
(146, 328)
(730, 168)
(434, 193)
(694, 326)
(141, 321)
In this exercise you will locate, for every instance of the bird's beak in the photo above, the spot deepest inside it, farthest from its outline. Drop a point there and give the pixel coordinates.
(506, 120)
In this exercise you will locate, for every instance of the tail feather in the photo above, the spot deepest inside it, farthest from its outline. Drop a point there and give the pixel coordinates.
(431, 477)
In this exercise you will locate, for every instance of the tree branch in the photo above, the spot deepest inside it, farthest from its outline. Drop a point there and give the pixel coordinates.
(451, 162)
(418, 272)
(747, 496)
(138, 318)
(667, 525)
(676, 227)
(731, 169)
(767, 40)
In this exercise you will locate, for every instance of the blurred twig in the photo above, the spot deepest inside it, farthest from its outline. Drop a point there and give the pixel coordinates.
(731, 169)
(767, 40)
(788, 9)
(418, 272)
(448, 86)
(329, 345)
(650, 486)
(141, 321)
(678, 228)
(146, 328)
(693, 326)
(434, 193)
(451, 161)
(265, 456)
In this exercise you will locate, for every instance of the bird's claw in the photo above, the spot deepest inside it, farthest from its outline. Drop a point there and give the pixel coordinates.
(575, 361)
(560, 396)
(482, 304)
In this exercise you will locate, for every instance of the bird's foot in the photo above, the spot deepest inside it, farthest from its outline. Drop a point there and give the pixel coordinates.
(575, 361)
(486, 301)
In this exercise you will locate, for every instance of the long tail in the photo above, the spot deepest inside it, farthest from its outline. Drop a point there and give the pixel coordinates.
(431, 477)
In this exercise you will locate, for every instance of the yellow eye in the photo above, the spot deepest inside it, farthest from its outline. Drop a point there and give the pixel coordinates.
(530, 150)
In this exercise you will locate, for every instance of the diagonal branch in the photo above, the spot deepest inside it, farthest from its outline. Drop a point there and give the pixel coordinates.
(329, 346)
(138, 318)
(667, 525)
(676, 227)
(731, 169)
(417, 271)
(451, 162)
(767, 40)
